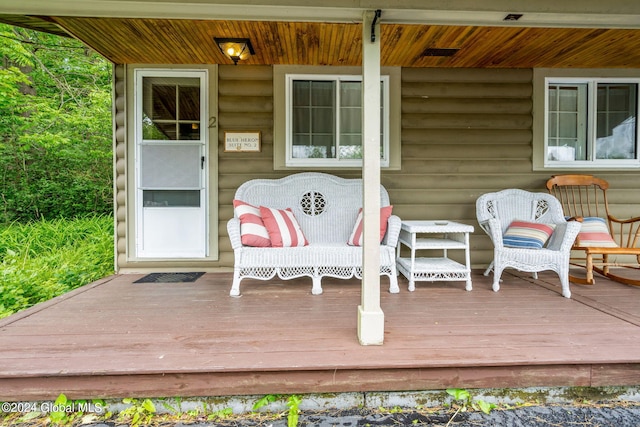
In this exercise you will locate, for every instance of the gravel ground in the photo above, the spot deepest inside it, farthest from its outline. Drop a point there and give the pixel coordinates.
(533, 416)
(529, 416)
(611, 414)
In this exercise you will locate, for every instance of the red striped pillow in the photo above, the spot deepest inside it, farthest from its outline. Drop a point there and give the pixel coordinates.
(282, 225)
(355, 239)
(594, 232)
(252, 229)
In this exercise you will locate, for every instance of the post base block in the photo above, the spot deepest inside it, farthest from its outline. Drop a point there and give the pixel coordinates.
(370, 326)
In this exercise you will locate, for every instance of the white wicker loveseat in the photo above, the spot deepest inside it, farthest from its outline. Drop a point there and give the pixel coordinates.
(326, 208)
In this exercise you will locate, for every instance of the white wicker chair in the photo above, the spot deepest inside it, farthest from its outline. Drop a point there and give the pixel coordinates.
(496, 211)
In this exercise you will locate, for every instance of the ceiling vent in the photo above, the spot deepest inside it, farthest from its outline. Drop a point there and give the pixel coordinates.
(512, 17)
(435, 51)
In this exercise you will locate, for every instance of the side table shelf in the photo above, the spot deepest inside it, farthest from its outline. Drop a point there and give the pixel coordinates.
(444, 236)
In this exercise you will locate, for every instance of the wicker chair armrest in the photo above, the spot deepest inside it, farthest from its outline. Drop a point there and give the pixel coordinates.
(393, 231)
(494, 230)
(571, 233)
(564, 236)
(233, 228)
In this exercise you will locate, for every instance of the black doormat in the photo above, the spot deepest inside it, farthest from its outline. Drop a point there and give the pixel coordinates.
(169, 278)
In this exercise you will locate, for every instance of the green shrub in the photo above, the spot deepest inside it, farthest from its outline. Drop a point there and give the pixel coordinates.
(55, 128)
(43, 259)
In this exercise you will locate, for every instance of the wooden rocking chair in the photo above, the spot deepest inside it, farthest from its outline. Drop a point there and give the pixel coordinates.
(584, 199)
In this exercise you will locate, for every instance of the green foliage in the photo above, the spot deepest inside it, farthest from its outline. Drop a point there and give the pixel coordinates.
(55, 128)
(12, 49)
(220, 414)
(140, 412)
(60, 415)
(293, 403)
(466, 401)
(69, 412)
(175, 410)
(485, 407)
(46, 258)
(395, 410)
(265, 400)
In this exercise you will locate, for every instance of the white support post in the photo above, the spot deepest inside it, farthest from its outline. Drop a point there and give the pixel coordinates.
(370, 315)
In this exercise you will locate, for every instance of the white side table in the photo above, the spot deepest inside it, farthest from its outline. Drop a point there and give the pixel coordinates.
(441, 235)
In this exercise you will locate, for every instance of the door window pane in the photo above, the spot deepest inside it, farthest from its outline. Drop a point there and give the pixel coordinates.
(163, 102)
(171, 198)
(189, 97)
(171, 108)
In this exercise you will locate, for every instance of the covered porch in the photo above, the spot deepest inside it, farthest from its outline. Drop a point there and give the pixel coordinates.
(117, 338)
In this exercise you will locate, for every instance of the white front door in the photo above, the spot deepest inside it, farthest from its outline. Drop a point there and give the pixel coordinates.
(171, 172)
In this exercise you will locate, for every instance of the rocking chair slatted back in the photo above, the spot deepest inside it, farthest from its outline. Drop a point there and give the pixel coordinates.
(580, 195)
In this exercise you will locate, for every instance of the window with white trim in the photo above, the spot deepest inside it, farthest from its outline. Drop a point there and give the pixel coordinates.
(591, 122)
(324, 120)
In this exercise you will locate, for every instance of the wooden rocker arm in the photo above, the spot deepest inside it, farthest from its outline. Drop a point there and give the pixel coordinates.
(576, 219)
(626, 232)
(623, 221)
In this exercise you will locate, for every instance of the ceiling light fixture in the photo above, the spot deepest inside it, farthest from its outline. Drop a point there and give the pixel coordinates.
(234, 48)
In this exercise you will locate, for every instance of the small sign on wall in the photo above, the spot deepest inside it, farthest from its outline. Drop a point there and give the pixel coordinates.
(242, 141)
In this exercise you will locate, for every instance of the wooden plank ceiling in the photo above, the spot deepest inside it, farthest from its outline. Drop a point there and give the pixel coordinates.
(310, 43)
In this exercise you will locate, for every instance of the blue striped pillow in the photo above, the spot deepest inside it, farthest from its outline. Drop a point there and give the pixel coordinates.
(529, 235)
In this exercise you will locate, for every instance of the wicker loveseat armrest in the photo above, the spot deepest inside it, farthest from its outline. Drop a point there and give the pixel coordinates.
(233, 228)
(394, 224)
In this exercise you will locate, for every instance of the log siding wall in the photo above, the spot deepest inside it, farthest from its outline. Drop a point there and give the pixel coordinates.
(120, 163)
(464, 132)
(245, 102)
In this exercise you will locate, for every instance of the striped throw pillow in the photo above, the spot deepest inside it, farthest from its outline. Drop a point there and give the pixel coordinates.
(282, 225)
(595, 233)
(355, 239)
(529, 235)
(252, 229)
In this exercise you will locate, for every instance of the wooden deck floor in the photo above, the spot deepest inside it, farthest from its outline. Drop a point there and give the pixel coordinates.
(115, 338)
